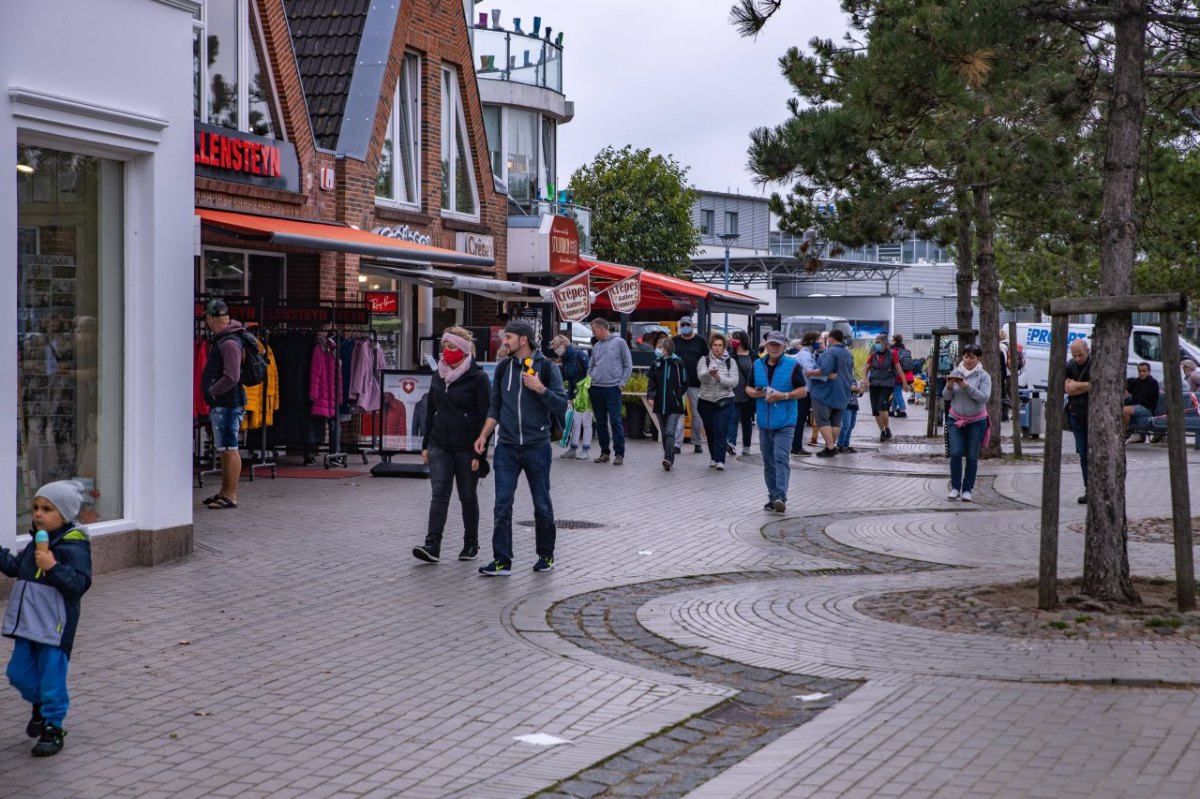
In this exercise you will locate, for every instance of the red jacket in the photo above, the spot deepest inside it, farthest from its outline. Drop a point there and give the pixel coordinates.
(323, 379)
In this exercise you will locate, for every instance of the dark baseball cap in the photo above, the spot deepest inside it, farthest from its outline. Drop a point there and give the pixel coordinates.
(520, 327)
(216, 308)
(775, 337)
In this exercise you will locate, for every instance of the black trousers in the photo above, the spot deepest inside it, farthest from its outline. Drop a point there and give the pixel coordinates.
(446, 468)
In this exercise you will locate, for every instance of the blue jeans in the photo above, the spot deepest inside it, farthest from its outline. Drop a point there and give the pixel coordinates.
(716, 427)
(39, 672)
(898, 399)
(606, 409)
(1079, 429)
(225, 425)
(849, 417)
(507, 464)
(776, 453)
(965, 442)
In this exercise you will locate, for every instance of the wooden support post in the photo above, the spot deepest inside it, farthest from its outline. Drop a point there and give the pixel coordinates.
(1181, 504)
(1052, 465)
(1014, 390)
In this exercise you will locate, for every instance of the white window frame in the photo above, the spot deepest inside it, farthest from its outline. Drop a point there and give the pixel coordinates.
(411, 59)
(731, 216)
(452, 105)
(245, 268)
(540, 145)
(706, 214)
(249, 28)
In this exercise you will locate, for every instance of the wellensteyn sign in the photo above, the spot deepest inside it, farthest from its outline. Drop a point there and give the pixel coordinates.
(574, 300)
(404, 233)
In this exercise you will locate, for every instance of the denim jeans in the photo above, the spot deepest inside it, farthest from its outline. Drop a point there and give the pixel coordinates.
(898, 399)
(776, 450)
(507, 464)
(606, 410)
(743, 415)
(964, 443)
(1079, 427)
(39, 672)
(693, 400)
(716, 426)
(667, 422)
(803, 409)
(849, 417)
(447, 468)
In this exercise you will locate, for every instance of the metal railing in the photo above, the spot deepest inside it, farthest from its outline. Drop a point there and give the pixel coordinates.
(518, 57)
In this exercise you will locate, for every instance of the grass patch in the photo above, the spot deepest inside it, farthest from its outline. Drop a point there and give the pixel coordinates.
(1159, 621)
(1056, 625)
(1084, 619)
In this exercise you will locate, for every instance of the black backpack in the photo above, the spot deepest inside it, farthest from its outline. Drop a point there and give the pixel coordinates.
(906, 360)
(254, 363)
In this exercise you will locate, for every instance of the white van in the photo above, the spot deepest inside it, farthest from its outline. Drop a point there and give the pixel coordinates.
(1145, 344)
(796, 326)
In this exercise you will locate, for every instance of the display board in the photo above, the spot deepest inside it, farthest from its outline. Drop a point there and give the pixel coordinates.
(404, 394)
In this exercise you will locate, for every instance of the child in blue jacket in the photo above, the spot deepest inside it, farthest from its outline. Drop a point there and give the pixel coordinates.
(43, 611)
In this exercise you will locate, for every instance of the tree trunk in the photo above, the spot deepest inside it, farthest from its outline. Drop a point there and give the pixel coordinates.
(989, 311)
(1106, 553)
(964, 274)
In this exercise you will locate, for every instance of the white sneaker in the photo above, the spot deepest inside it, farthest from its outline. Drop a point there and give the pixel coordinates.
(572, 452)
(745, 450)
(953, 494)
(966, 496)
(712, 464)
(720, 467)
(583, 454)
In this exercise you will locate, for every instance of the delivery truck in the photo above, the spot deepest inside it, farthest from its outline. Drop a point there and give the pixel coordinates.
(1145, 344)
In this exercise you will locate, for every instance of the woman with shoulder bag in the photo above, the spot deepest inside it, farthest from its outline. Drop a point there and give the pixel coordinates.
(666, 392)
(718, 375)
(968, 388)
(457, 407)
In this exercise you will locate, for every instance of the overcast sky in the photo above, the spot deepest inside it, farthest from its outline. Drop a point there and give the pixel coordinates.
(672, 75)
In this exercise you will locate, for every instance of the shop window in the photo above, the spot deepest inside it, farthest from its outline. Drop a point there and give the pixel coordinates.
(399, 166)
(706, 222)
(232, 273)
(492, 127)
(549, 143)
(459, 194)
(521, 157)
(231, 81)
(70, 323)
(731, 222)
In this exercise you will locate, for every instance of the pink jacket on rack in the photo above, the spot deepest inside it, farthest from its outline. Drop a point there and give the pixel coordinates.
(366, 370)
(323, 380)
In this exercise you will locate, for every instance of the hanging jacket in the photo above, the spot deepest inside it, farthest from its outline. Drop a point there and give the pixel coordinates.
(45, 605)
(455, 414)
(322, 382)
(255, 410)
(366, 372)
(668, 385)
(199, 360)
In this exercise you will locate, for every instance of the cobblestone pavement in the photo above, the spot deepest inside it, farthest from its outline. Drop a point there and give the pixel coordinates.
(301, 651)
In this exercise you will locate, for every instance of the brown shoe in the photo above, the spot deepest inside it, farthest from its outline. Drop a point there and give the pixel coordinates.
(602, 459)
(618, 460)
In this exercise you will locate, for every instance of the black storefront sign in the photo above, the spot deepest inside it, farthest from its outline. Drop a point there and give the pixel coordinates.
(225, 154)
(270, 313)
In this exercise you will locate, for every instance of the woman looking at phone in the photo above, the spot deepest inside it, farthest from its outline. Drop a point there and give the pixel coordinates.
(968, 388)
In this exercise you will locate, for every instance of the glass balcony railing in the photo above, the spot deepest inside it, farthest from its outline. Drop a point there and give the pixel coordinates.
(532, 212)
(518, 57)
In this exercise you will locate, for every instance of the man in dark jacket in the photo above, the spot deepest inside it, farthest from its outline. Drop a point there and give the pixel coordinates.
(221, 383)
(690, 348)
(526, 390)
(1141, 398)
(1078, 385)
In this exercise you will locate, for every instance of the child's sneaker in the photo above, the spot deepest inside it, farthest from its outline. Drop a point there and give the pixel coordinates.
(36, 723)
(572, 452)
(50, 742)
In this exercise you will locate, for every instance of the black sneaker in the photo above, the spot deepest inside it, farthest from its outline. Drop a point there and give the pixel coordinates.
(36, 723)
(770, 505)
(847, 449)
(666, 465)
(544, 565)
(1082, 499)
(802, 453)
(698, 449)
(826, 453)
(50, 742)
(426, 553)
(497, 568)
(730, 449)
(779, 506)
(889, 433)
(882, 436)
(469, 552)
(678, 451)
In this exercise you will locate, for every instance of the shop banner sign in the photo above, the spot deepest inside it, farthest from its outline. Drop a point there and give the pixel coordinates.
(384, 302)
(402, 410)
(625, 295)
(574, 300)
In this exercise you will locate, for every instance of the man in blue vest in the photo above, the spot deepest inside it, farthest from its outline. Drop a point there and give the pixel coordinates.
(777, 382)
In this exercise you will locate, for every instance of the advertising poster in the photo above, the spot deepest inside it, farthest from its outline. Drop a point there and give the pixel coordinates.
(402, 409)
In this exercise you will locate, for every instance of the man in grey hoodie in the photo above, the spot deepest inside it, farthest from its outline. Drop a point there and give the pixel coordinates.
(610, 368)
(526, 390)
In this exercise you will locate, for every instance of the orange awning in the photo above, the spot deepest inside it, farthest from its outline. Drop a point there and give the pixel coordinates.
(339, 238)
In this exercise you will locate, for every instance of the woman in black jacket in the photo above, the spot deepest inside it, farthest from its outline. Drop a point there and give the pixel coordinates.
(457, 407)
(668, 387)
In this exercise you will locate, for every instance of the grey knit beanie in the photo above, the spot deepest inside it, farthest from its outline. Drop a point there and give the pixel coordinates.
(67, 496)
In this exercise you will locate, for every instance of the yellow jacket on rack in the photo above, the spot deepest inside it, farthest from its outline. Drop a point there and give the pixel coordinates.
(254, 395)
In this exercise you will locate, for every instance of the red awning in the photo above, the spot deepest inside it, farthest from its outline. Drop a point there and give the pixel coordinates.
(663, 292)
(339, 238)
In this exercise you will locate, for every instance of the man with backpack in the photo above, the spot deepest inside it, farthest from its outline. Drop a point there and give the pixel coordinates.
(233, 361)
(899, 409)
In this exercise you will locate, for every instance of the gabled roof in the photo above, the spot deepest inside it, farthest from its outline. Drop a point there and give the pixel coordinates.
(326, 35)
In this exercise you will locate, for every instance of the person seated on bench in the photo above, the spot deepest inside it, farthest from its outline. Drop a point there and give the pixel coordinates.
(1141, 399)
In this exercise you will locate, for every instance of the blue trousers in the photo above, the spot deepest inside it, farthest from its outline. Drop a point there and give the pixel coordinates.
(716, 427)
(1079, 428)
(776, 453)
(39, 672)
(507, 464)
(965, 442)
(606, 410)
(898, 403)
(849, 417)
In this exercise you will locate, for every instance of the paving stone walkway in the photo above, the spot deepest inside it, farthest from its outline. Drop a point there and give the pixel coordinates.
(301, 651)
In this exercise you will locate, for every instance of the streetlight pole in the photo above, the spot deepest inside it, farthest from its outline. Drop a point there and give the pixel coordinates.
(727, 239)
